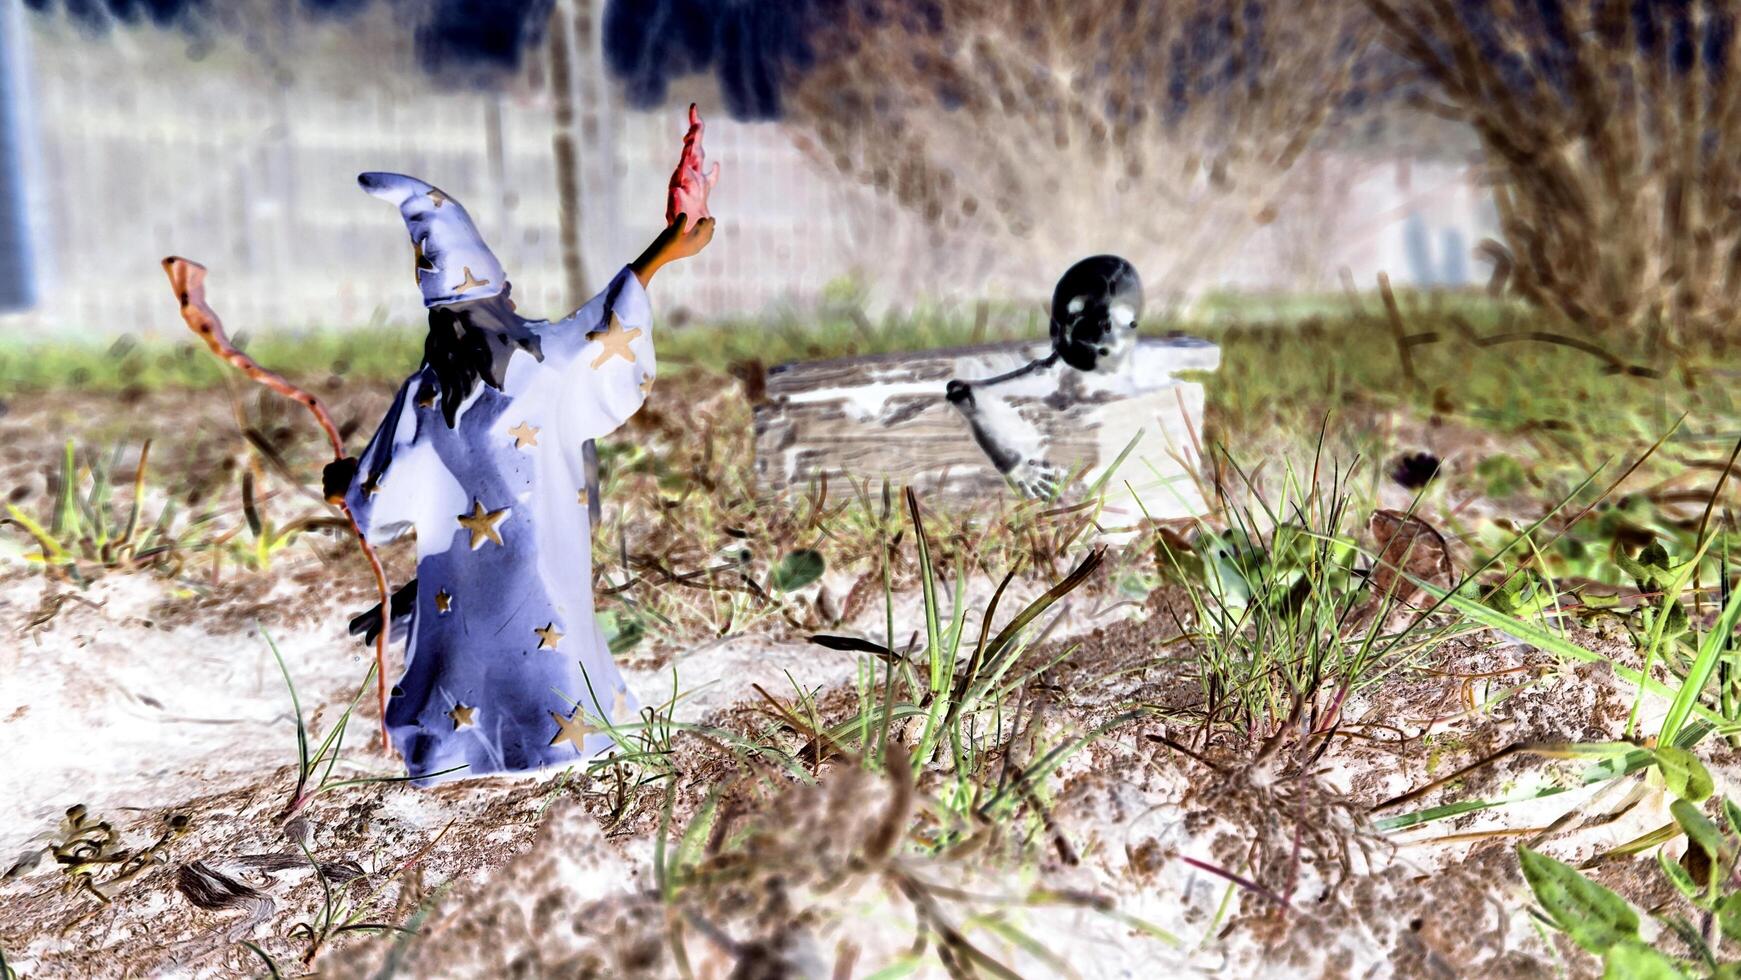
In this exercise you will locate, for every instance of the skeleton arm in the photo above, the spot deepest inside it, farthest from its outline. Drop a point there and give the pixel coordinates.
(1014, 445)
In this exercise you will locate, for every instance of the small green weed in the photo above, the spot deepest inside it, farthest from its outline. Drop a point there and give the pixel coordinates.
(314, 769)
(86, 533)
(1603, 923)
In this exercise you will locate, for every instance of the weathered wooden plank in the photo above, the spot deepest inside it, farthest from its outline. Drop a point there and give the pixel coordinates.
(885, 417)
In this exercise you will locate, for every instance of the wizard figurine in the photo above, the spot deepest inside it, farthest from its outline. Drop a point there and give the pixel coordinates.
(506, 669)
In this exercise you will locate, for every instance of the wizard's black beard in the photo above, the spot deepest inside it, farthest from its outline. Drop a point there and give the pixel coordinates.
(472, 341)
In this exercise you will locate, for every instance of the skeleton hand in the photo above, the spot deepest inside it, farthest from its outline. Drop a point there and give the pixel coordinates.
(1038, 479)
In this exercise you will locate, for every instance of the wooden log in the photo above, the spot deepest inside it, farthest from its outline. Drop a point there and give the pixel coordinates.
(884, 417)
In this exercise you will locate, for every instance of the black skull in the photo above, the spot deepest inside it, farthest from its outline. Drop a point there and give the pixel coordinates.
(1095, 309)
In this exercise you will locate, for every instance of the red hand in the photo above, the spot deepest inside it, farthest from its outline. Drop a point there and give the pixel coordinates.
(689, 183)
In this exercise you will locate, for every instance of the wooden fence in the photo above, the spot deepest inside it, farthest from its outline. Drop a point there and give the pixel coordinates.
(141, 150)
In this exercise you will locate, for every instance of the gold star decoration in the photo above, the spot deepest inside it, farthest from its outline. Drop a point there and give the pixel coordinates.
(443, 602)
(524, 435)
(482, 524)
(462, 716)
(548, 637)
(615, 342)
(438, 197)
(420, 263)
(582, 496)
(470, 283)
(572, 730)
(646, 386)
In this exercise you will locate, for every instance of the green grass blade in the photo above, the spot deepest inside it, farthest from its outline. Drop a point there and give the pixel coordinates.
(1670, 599)
(1559, 646)
(1686, 700)
(1609, 768)
(66, 511)
(51, 549)
(1106, 474)
(303, 766)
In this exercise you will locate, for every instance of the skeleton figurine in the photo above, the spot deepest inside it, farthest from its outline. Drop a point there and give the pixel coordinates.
(506, 668)
(1095, 309)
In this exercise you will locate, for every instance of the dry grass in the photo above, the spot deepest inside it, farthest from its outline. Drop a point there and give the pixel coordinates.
(995, 120)
(981, 752)
(1604, 127)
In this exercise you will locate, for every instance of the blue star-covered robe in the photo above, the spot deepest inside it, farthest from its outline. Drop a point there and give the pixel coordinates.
(506, 668)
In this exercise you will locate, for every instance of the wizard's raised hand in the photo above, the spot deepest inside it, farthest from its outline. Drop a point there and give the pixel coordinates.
(691, 182)
(688, 224)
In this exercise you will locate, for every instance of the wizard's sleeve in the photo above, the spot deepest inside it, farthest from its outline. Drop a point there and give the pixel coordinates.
(384, 490)
(605, 351)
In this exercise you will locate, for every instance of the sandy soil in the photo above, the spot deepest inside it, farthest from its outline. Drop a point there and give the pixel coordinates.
(144, 720)
(155, 703)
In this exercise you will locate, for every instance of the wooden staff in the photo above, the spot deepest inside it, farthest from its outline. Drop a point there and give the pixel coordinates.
(188, 280)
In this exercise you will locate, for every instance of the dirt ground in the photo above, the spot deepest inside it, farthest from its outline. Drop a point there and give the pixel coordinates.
(155, 703)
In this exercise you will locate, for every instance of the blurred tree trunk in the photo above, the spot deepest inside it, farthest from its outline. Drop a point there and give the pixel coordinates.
(566, 149)
(496, 155)
(598, 133)
(1610, 130)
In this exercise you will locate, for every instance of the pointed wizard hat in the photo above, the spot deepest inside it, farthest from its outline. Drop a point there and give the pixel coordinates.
(453, 263)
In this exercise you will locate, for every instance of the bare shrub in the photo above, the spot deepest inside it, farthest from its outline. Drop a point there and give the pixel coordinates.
(1161, 130)
(1607, 129)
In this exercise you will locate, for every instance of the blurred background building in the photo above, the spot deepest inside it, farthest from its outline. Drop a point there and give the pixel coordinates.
(119, 148)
